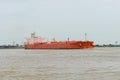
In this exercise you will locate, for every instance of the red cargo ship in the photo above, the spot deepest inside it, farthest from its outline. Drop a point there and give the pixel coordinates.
(38, 43)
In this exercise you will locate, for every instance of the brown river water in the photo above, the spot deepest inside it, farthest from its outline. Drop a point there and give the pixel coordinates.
(82, 64)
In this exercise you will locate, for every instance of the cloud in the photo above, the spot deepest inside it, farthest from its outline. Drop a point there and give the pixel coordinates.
(59, 18)
(13, 7)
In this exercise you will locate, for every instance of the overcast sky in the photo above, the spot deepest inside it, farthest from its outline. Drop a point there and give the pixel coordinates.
(100, 19)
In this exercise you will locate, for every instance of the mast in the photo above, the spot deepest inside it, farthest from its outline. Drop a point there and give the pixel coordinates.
(85, 36)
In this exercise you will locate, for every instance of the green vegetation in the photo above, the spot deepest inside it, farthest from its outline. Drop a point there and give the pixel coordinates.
(107, 45)
(17, 46)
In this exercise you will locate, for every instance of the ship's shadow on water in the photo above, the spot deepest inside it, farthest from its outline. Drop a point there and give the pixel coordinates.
(45, 64)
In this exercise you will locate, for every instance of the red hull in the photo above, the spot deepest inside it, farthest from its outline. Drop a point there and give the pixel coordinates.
(60, 45)
(38, 43)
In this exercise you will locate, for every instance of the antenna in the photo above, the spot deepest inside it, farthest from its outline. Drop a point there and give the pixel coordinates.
(68, 38)
(85, 36)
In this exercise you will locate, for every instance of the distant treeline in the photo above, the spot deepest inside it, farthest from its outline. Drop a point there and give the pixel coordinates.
(106, 45)
(11, 46)
(17, 46)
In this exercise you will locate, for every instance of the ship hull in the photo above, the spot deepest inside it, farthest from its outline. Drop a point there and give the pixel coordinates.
(60, 45)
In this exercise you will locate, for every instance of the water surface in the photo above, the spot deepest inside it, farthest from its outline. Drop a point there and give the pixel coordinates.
(83, 64)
